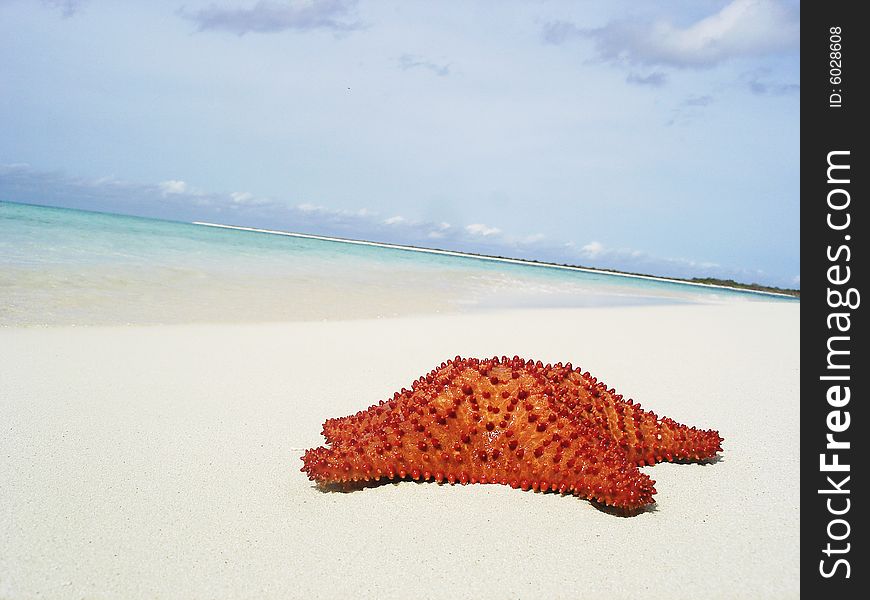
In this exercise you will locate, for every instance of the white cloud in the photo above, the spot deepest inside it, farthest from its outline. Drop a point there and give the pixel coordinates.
(654, 79)
(481, 229)
(759, 83)
(740, 28)
(533, 238)
(407, 61)
(173, 186)
(241, 197)
(67, 8)
(106, 180)
(705, 100)
(595, 254)
(394, 220)
(311, 211)
(592, 249)
(274, 17)
(248, 199)
(12, 167)
(439, 230)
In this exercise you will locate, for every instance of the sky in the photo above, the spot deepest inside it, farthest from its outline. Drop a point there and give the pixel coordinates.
(653, 137)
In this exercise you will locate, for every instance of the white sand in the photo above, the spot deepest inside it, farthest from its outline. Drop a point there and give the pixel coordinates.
(163, 462)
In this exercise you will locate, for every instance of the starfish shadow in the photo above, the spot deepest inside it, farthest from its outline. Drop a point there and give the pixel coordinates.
(355, 486)
(707, 461)
(624, 512)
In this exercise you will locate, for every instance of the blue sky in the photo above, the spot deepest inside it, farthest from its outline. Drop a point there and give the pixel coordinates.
(659, 137)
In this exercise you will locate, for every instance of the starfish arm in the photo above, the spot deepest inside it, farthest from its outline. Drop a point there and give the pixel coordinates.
(646, 438)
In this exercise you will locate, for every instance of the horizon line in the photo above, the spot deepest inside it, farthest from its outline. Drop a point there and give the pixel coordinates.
(518, 261)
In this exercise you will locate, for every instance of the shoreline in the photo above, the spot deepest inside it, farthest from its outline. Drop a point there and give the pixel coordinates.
(741, 289)
(517, 261)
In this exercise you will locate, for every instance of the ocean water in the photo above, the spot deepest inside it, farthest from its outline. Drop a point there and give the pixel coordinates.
(64, 267)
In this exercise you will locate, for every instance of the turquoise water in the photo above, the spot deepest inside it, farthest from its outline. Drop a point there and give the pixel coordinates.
(63, 266)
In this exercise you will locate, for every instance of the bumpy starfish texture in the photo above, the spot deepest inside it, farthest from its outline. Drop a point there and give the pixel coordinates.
(513, 422)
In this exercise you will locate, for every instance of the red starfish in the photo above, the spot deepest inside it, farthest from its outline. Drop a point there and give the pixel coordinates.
(513, 422)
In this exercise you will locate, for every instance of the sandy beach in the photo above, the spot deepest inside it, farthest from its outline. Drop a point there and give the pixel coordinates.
(163, 461)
